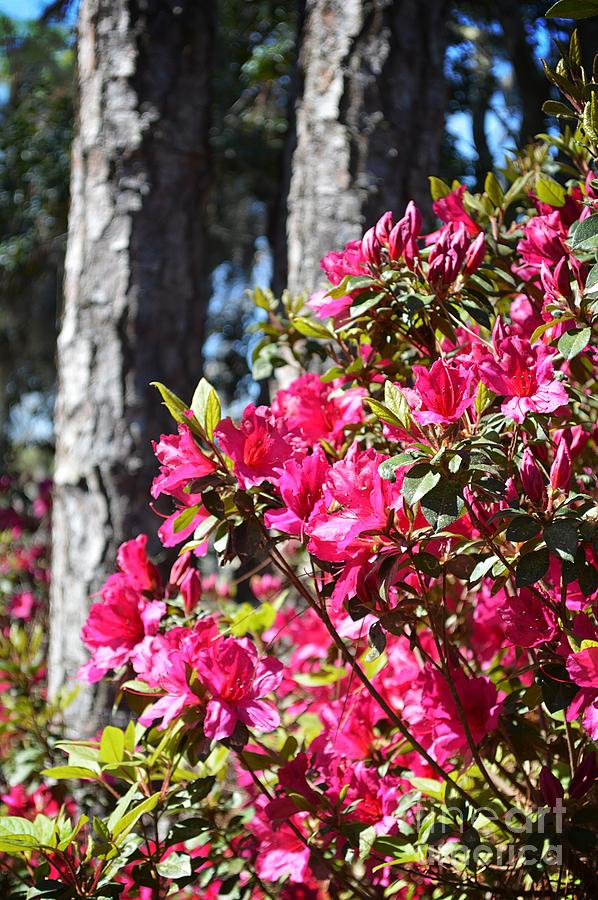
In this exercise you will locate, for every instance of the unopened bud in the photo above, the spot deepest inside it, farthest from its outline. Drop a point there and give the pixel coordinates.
(560, 471)
(551, 787)
(191, 590)
(383, 228)
(531, 477)
(370, 247)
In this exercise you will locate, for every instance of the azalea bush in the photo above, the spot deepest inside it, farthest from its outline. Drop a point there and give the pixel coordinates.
(409, 707)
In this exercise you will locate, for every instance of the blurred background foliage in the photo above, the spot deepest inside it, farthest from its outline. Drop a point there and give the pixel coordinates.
(495, 91)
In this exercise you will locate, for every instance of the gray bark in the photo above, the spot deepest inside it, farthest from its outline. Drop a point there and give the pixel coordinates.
(370, 116)
(135, 284)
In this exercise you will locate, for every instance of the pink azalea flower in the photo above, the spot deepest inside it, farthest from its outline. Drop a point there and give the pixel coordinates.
(349, 261)
(123, 617)
(434, 717)
(259, 446)
(23, 605)
(300, 487)
(527, 621)
(317, 410)
(525, 376)
(355, 500)
(442, 393)
(327, 307)
(27, 805)
(451, 209)
(165, 661)
(133, 562)
(543, 243)
(181, 461)
(583, 667)
(237, 681)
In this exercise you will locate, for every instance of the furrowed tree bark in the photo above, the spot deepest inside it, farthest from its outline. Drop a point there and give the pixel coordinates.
(135, 295)
(369, 121)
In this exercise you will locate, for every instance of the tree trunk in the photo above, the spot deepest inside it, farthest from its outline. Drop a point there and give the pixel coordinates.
(135, 288)
(370, 117)
(530, 79)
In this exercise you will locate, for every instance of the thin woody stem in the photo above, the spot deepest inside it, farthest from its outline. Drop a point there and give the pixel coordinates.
(281, 563)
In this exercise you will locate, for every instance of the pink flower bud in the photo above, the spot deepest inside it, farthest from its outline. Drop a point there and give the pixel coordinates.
(383, 227)
(396, 241)
(474, 256)
(585, 776)
(191, 590)
(370, 247)
(560, 471)
(531, 477)
(562, 277)
(414, 219)
(180, 569)
(551, 787)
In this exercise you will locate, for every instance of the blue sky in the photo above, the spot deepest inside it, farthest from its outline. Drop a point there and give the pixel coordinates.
(25, 9)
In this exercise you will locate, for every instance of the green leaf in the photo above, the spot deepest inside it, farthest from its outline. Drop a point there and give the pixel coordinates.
(561, 537)
(412, 479)
(482, 568)
(532, 567)
(572, 343)
(382, 412)
(369, 303)
(247, 619)
(130, 736)
(591, 282)
(187, 829)
(176, 865)
(438, 188)
(522, 528)
(539, 331)
(573, 9)
(493, 189)
(416, 489)
(129, 820)
(206, 406)
(112, 745)
(388, 468)
(311, 328)
(443, 505)
(557, 688)
(186, 517)
(359, 282)
(560, 110)
(396, 401)
(517, 189)
(584, 235)
(427, 563)
(173, 404)
(550, 191)
(376, 640)
(16, 826)
(61, 772)
(366, 841)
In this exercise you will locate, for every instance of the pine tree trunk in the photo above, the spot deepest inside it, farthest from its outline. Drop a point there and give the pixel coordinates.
(135, 285)
(370, 117)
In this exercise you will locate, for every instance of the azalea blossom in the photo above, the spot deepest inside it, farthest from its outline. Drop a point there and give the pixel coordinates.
(524, 375)
(237, 681)
(435, 718)
(259, 446)
(300, 485)
(123, 617)
(441, 393)
(317, 410)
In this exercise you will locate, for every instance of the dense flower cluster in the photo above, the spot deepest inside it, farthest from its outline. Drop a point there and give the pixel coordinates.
(417, 663)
